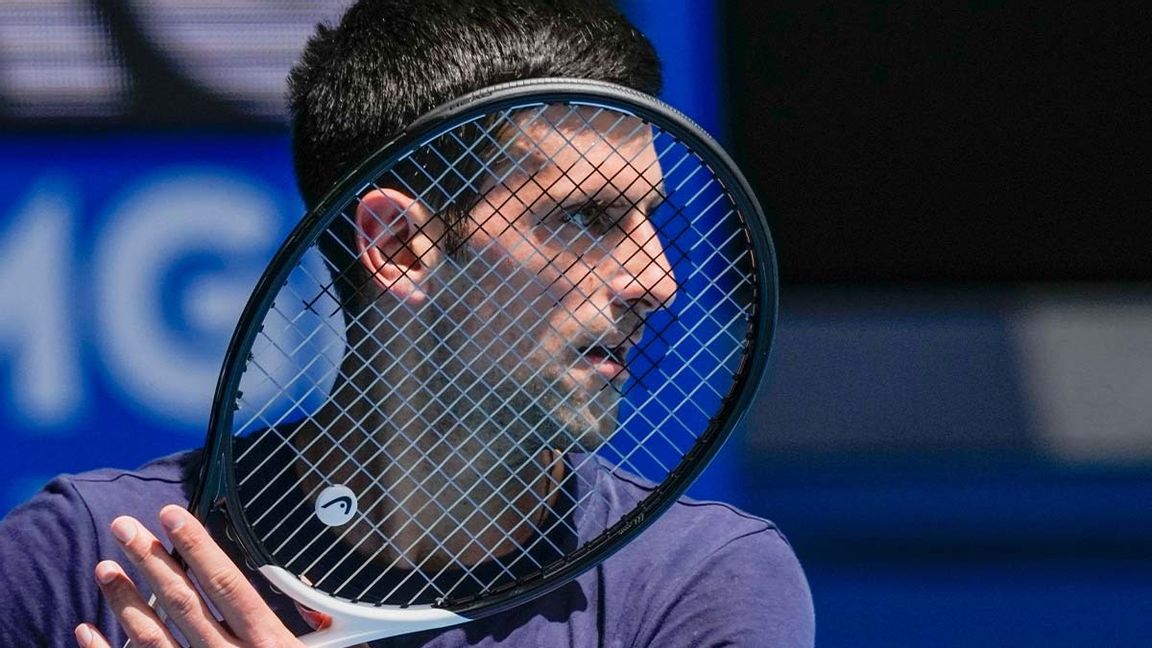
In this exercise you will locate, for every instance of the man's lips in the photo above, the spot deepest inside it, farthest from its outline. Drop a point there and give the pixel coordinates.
(611, 353)
(609, 361)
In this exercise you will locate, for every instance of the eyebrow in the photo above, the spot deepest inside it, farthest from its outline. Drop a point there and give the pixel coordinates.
(653, 198)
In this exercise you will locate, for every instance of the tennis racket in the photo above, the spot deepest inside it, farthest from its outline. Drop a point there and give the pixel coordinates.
(490, 357)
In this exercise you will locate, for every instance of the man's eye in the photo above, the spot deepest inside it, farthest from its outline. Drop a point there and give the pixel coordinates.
(589, 217)
(578, 217)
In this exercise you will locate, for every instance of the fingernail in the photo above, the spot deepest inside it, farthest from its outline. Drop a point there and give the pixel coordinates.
(106, 572)
(124, 529)
(172, 518)
(83, 634)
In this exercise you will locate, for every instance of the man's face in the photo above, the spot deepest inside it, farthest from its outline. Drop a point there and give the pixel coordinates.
(516, 344)
(562, 268)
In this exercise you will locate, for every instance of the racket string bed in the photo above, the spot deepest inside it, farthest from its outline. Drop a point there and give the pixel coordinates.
(592, 295)
(692, 198)
(450, 406)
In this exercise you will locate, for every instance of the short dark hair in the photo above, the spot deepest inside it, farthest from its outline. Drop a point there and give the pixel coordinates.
(389, 61)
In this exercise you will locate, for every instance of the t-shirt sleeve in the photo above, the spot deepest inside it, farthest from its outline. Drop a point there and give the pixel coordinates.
(48, 547)
(749, 593)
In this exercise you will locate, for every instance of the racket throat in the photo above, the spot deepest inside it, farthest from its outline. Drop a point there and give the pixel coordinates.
(354, 623)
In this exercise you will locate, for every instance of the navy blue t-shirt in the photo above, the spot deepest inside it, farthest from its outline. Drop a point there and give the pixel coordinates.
(704, 574)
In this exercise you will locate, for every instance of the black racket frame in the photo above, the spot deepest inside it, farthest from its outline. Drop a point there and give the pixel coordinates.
(216, 488)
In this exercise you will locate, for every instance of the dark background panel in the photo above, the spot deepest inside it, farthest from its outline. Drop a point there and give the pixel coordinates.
(990, 141)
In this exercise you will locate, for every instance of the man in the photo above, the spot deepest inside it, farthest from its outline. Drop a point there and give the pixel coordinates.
(585, 263)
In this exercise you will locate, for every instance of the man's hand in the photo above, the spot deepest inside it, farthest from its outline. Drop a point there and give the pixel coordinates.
(248, 621)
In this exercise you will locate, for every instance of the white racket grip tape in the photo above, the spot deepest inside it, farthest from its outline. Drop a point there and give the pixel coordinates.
(354, 623)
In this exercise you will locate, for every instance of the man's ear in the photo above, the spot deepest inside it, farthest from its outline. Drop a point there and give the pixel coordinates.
(396, 240)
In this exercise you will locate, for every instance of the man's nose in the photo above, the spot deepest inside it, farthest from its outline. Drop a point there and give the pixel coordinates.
(642, 276)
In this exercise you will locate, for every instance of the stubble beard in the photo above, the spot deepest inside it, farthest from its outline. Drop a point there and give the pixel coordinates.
(508, 404)
(471, 431)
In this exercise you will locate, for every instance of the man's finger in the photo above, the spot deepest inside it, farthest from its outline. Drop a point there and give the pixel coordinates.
(174, 590)
(139, 620)
(247, 615)
(87, 636)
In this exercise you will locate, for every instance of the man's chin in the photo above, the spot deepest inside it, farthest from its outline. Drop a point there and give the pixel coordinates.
(578, 406)
(586, 427)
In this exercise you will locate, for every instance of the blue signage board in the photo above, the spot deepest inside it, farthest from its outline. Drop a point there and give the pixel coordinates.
(125, 259)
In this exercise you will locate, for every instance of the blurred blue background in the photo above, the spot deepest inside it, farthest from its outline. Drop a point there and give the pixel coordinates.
(957, 431)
